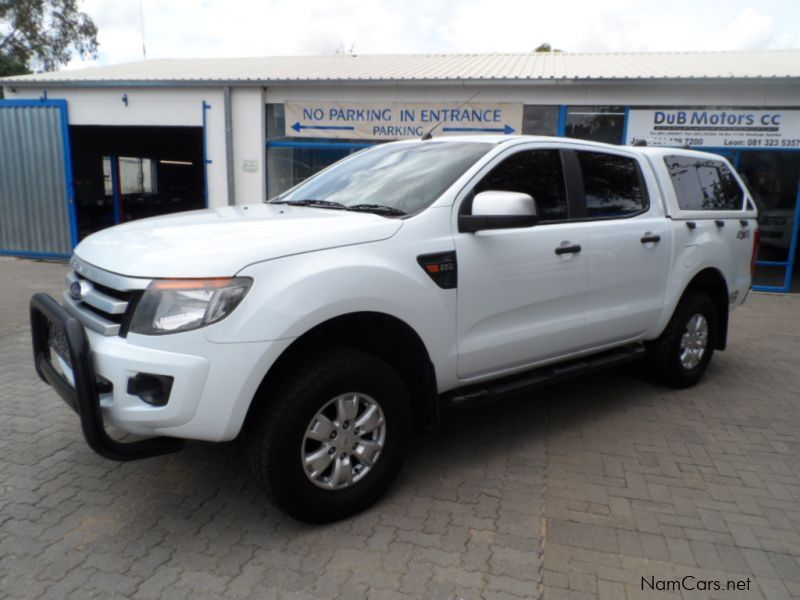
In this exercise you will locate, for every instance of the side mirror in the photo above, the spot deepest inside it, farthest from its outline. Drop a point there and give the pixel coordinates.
(499, 210)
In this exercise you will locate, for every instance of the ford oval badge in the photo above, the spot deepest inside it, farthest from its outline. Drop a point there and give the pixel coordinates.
(77, 290)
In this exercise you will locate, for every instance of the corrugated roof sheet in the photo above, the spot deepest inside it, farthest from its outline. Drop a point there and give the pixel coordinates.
(440, 67)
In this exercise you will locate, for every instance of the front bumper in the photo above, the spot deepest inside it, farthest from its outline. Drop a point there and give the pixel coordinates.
(52, 326)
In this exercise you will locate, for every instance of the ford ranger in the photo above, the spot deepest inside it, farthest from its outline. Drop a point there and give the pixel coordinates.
(321, 325)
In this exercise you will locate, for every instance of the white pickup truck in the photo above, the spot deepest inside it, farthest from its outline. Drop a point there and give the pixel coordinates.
(409, 277)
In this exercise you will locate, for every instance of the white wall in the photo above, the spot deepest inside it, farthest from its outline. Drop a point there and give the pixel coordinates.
(151, 107)
(249, 127)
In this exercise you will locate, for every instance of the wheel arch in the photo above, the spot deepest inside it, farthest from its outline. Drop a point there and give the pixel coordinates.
(383, 335)
(710, 281)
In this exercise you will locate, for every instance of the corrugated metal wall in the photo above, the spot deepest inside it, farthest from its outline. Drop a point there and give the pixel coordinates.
(34, 208)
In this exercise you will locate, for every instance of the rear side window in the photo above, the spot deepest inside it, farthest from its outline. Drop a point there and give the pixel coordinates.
(534, 172)
(704, 184)
(612, 184)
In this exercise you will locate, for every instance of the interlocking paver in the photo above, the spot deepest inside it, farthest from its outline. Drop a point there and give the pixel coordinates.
(577, 491)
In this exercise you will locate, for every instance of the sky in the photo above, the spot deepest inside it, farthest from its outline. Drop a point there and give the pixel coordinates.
(229, 28)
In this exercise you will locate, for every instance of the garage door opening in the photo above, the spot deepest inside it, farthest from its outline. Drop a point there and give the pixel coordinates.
(127, 173)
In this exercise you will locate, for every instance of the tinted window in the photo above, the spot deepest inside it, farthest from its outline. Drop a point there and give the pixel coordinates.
(534, 172)
(612, 185)
(405, 176)
(704, 184)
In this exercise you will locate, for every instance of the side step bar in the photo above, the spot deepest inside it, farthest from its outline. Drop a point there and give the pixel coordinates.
(510, 386)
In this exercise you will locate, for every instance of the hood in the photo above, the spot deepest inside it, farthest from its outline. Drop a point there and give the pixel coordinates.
(220, 242)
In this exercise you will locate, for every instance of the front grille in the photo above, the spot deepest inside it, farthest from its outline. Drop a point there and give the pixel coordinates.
(106, 301)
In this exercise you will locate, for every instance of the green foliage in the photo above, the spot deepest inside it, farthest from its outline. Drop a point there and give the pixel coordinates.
(43, 34)
(9, 66)
(545, 47)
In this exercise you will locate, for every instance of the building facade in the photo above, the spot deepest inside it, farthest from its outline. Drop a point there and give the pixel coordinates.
(128, 141)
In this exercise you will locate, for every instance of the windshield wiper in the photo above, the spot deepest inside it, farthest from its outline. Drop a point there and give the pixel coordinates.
(377, 208)
(373, 208)
(312, 203)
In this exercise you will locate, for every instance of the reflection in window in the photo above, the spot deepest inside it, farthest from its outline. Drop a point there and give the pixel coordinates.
(537, 173)
(136, 175)
(596, 123)
(611, 184)
(704, 184)
(772, 178)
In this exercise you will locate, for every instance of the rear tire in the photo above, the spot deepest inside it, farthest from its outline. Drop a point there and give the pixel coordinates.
(333, 435)
(680, 356)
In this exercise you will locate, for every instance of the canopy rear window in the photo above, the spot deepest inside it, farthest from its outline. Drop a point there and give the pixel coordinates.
(704, 184)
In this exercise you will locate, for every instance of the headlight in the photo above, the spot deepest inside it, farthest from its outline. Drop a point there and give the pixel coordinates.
(174, 305)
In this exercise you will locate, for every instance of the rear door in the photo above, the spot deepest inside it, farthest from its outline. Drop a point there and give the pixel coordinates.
(627, 245)
(520, 303)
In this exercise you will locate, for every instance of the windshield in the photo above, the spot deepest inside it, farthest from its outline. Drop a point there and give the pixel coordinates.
(393, 179)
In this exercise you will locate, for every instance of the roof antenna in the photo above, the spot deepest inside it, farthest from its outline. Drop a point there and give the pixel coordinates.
(141, 23)
(429, 134)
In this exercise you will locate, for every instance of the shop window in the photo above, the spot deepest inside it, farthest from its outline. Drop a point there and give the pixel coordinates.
(612, 185)
(596, 123)
(704, 184)
(772, 179)
(534, 172)
(276, 121)
(540, 120)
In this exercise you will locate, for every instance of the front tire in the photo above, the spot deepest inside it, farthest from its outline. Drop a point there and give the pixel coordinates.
(680, 356)
(333, 436)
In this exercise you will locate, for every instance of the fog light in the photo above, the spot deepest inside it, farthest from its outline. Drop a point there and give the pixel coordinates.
(103, 385)
(151, 388)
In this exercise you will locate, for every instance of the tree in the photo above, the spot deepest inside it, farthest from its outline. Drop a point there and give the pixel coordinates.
(43, 35)
(545, 47)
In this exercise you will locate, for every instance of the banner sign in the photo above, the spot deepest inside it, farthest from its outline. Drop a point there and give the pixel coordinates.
(717, 128)
(397, 120)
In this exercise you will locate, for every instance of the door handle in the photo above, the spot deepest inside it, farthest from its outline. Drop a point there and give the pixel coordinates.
(650, 238)
(572, 249)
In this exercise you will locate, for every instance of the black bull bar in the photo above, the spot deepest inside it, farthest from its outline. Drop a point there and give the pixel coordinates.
(54, 330)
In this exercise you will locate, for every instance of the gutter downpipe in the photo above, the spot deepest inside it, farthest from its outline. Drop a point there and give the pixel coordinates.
(226, 95)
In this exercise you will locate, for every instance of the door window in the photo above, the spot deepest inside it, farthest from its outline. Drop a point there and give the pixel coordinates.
(613, 187)
(535, 172)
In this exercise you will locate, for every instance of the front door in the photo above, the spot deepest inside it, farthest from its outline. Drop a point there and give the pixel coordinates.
(520, 303)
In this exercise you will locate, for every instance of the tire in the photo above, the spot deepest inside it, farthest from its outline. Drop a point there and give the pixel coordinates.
(333, 381)
(677, 365)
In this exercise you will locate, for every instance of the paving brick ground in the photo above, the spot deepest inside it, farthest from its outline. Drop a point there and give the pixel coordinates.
(577, 492)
